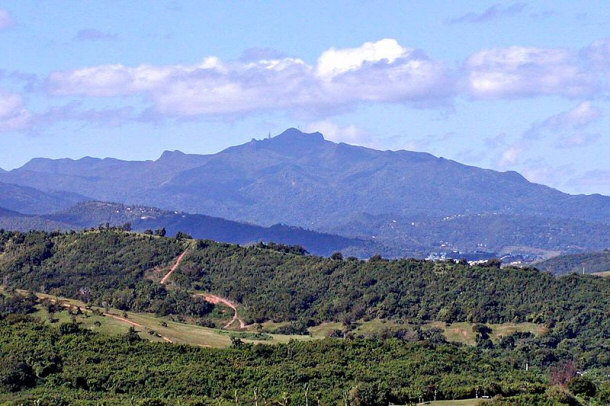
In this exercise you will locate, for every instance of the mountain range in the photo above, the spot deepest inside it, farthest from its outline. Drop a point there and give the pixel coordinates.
(408, 203)
(140, 218)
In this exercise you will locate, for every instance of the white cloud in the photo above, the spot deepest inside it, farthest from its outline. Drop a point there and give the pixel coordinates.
(380, 72)
(578, 117)
(13, 115)
(337, 61)
(526, 72)
(375, 72)
(579, 139)
(5, 20)
(598, 54)
(349, 134)
(510, 156)
(567, 129)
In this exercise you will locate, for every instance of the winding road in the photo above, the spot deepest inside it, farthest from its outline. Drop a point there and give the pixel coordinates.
(207, 297)
(217, 299)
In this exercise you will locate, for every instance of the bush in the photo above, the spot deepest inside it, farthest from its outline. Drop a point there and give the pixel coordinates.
(582, 385)
(15, 375)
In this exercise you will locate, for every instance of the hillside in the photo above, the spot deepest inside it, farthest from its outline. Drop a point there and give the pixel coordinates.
(592, 262)
(12, 220)
(274, 283)
(488, 232)
(109, 268)
(69, 365)
(28, 200)
(306, 181)
(141, 218)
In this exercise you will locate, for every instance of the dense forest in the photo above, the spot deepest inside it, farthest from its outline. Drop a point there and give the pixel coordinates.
(42, 365)
(113, 267)
(105, 267)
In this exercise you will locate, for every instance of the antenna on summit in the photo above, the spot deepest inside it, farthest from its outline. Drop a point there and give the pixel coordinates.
(269, 136)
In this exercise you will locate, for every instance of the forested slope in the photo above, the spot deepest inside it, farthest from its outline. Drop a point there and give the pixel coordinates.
(106, 267)
(590, 262)
(280, 283)
(62, 365)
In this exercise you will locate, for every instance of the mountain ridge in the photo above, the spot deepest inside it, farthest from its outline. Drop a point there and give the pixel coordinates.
(93, 214)
(306, 181)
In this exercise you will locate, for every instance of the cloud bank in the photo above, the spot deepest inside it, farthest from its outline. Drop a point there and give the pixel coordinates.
(13, 114)
(381, 71)
(375, 72)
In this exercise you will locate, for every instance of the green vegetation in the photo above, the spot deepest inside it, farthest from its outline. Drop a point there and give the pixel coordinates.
(72, 363)
(395, 319)
(591, 262)
(106, 267)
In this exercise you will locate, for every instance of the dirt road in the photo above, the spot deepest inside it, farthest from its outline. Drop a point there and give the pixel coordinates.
(173, 268)
(217, 299)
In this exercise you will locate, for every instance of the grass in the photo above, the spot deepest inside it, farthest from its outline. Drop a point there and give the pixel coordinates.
(324, 329)
(154, 328)
(455, 332)
(603, 274)
(462, 402)
(462, 332)
(177, 332)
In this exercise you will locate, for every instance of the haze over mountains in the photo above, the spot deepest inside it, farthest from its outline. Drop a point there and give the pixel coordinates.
(408, 202)
(141, 218)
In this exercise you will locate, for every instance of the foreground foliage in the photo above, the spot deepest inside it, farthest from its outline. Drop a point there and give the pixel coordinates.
(73, 362)
(279, 283)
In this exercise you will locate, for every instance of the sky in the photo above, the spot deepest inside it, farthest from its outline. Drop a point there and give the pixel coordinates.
(518, 86)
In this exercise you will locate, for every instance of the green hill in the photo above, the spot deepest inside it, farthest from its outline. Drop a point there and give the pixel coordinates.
(398, 363)
(592, 262)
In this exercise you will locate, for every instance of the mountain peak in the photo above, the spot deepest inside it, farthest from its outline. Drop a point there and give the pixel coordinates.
(170, 154)
(293, 141)
(296, 134)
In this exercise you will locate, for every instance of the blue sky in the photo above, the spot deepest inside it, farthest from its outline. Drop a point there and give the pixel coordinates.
(504, 85)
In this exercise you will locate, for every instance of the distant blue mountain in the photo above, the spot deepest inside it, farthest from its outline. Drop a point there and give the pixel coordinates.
(306, 181)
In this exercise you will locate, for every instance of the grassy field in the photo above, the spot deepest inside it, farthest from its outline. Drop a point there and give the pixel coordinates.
(154, 328)
(462, 332)
(604, 274)
(463, 402)
(455, 332)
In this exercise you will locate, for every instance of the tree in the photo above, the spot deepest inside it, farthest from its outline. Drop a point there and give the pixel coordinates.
(337, 256)
(15, 374)
(182, 236)
(160, 232)
(581, 385)
(493, 263)
(132, 335)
